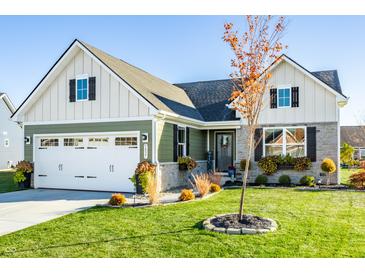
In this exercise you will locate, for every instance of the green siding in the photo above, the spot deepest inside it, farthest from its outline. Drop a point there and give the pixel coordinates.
(165, 147)
(197, 140)
(142, 126)
(198, 144)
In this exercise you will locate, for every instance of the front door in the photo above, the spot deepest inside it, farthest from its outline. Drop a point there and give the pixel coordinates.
(224, 151)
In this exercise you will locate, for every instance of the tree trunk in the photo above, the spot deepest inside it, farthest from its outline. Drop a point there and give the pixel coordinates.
(244, 178)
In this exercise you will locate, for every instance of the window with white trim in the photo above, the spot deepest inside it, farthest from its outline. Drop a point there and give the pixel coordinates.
(284, 97)
(125, 141)
(6, 142)
(49, 142)
(181, 141)
(82, 88)
(285, 140)
(73, 142)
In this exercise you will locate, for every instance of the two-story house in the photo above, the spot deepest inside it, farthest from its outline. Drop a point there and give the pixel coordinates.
(93, 117)
(11, 135)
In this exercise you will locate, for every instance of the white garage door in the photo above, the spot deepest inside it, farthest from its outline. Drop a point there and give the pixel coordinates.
(102, 162)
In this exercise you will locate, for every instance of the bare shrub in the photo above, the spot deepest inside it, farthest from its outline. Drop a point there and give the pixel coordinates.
(215, 178)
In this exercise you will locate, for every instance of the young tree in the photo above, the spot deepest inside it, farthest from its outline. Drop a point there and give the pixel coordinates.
(253, 52)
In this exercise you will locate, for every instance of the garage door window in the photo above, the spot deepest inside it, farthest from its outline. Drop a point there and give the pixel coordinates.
(97, 141)
(126, 141)
(49, 142)
(72, 142)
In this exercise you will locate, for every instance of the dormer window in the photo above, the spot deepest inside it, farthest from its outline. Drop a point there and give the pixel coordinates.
(284, 97)
(82, 88)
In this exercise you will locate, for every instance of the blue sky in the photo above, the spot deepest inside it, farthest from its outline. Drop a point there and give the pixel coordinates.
(177, 48)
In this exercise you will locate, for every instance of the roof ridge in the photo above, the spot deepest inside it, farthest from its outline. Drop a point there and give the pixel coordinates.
(203, 81)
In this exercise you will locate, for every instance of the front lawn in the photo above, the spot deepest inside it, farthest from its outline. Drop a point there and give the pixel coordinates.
(311, 224)
(6, 182)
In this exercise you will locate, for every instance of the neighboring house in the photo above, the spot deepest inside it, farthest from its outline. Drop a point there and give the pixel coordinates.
(93, 117)
(11, 135)
(355, 137)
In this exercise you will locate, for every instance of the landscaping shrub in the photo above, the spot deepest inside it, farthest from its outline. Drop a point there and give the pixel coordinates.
(268, 164)
(215, 178)
(302, 163)
(357, 180)
(362, 164)
(24, 166)
(243, 164)
(202, 183)
(329, 166)
(307, 181)
(214, 188)
(186, 195)
(142, 174)
(19, 177)
(151, 189)
(261, 180)
(284, 180)
(117, 199)
(186, 163)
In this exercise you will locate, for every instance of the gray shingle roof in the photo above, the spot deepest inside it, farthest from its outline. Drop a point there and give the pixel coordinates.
(211, 98)
(353, 135)
(329, 77)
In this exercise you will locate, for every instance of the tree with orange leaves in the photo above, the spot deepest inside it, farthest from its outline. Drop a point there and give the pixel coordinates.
(254, 51)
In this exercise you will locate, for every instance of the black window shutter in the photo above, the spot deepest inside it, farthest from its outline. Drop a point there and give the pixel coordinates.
(187, 141)
(259, 144)
(273, 98)
(174, 136)
(295, 97)
(92, 89)
(72, 96)
(312, 144)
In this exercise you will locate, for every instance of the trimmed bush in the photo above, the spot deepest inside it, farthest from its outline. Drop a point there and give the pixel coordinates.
(284, 180)
(214, 188)
(307, 181)
(357, 180)
(117, 199)
(328, 165)
(268, 164)
(302, 163)
(186, 195)
(261, 180)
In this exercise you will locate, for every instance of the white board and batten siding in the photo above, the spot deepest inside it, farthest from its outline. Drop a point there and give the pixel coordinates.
(113, 99)
(316, 104)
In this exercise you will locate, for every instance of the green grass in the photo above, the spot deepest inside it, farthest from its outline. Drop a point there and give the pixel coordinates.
(6, 182)
(311, 224)
(346, 173)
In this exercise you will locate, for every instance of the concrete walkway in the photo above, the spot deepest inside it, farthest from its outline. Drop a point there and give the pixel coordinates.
(26, 208)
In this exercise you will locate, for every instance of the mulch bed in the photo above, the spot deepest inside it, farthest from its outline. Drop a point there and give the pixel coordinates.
(249, 221)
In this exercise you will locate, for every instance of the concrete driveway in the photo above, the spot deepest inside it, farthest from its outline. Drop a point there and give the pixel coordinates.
(25, 208)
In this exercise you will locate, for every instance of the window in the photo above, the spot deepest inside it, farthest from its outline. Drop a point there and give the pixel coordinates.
(181, 141)
(49, 142)
(72, 142)
(362, 153)
(98, 141)
(284, 97)
(126, 141)
(6, 143)
(82, 88)
(283, 141)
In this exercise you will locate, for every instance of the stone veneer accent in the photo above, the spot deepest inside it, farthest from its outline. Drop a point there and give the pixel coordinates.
(171, 177)
(327, 146)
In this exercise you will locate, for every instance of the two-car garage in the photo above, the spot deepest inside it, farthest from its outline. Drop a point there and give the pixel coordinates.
(86, 161)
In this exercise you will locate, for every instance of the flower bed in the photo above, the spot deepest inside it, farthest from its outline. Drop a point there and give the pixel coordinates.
(230, 224)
